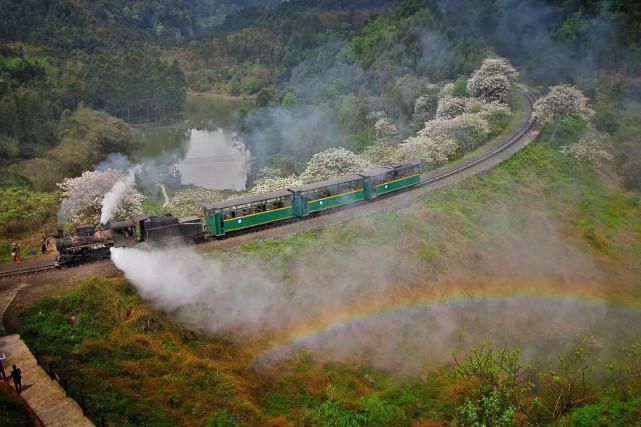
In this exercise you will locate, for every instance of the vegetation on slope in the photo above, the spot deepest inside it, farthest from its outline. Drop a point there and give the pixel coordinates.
(157, 373)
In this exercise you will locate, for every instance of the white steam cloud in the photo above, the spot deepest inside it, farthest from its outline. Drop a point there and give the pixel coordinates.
(113, 198)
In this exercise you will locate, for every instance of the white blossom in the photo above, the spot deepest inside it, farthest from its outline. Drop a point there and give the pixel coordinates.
(562, 101)
(425, 105)
(190, 201)
(269, 172)
(332, 162)
(592, 148)
(386, 132)
(430, 151)
(82, 197)
(450, 107)
(380, 154)
(496, 115)
(274, 184)
(492, 82)
(447, 90)
(467, 130)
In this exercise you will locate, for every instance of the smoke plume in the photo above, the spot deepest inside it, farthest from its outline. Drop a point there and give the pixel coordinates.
(500, 289)
(113, 198)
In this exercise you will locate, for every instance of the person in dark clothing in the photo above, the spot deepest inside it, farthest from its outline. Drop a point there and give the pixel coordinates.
(16, 375)
(43, 246)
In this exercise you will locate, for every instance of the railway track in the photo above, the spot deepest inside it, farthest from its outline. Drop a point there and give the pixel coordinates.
(27, 270)
(526, 125)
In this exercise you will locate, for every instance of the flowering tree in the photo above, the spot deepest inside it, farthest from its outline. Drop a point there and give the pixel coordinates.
(82, 197)
(380, 154)
(430, 151)
(592, 147)
(386, 132)
(273, 184)
(331, 163)
(425, 105)
(190, 201)
(268, 172)
(562, 101)
(467, 130)
(492, 82)
(450, 107)
(496, 115)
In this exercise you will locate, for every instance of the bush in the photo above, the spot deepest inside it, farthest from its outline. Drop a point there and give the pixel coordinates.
(22, 210)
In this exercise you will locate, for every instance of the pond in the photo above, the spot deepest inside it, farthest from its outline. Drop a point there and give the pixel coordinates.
(204, 150)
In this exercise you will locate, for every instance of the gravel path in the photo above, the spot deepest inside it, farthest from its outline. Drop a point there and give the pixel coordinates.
(43, 395)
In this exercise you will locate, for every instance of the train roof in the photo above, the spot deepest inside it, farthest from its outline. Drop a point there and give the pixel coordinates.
(327, 183)
(119, 225)
(187, 219)
(247, 200)
(375, 171)
(408, 163)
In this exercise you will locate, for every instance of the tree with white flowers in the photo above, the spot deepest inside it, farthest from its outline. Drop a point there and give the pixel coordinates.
(468, 130)
(425, 105)
(82, 197)
(432, 152)
(493, 81)
(330, 163)
(386, 132)
(562, 101)
(189, 201)
(380, 154)
(496, 115)
(591, 147)
(450, 107)
(274, 184)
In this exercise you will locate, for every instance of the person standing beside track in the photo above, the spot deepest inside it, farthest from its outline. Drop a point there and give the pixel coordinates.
(15, 251)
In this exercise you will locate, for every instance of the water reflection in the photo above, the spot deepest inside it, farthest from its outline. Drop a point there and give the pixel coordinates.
(214, 159)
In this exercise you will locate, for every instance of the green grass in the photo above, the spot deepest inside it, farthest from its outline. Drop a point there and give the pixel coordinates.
(155, 373)
(12, 411)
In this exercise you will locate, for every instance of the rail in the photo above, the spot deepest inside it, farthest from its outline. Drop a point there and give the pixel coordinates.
(27, 270)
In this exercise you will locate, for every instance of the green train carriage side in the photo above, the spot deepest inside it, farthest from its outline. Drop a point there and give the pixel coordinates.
(329, 194)
(301, 201)
(247, 212)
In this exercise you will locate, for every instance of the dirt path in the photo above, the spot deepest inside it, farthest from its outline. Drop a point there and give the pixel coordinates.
(43, 395)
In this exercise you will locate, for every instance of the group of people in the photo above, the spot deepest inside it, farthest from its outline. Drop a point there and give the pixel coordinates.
(15, 249)
(16, 376)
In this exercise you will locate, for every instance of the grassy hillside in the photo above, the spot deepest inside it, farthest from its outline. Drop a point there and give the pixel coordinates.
(501, 225)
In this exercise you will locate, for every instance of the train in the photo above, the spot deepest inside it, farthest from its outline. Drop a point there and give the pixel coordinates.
(239, 215)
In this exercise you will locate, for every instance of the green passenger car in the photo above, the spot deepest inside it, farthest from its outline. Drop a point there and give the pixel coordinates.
(391, 178)
(328, 194)
(240, 214)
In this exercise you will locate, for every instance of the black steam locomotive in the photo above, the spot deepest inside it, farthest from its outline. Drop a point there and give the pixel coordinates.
(87, 244)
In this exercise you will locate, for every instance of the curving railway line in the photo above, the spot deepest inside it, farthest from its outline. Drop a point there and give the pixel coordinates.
(430, 181)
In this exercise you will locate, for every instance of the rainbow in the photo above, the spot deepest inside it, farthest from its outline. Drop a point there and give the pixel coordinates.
(330, 321)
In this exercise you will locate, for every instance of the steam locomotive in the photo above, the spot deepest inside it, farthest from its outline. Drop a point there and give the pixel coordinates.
(241, 214)
(87, 244)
